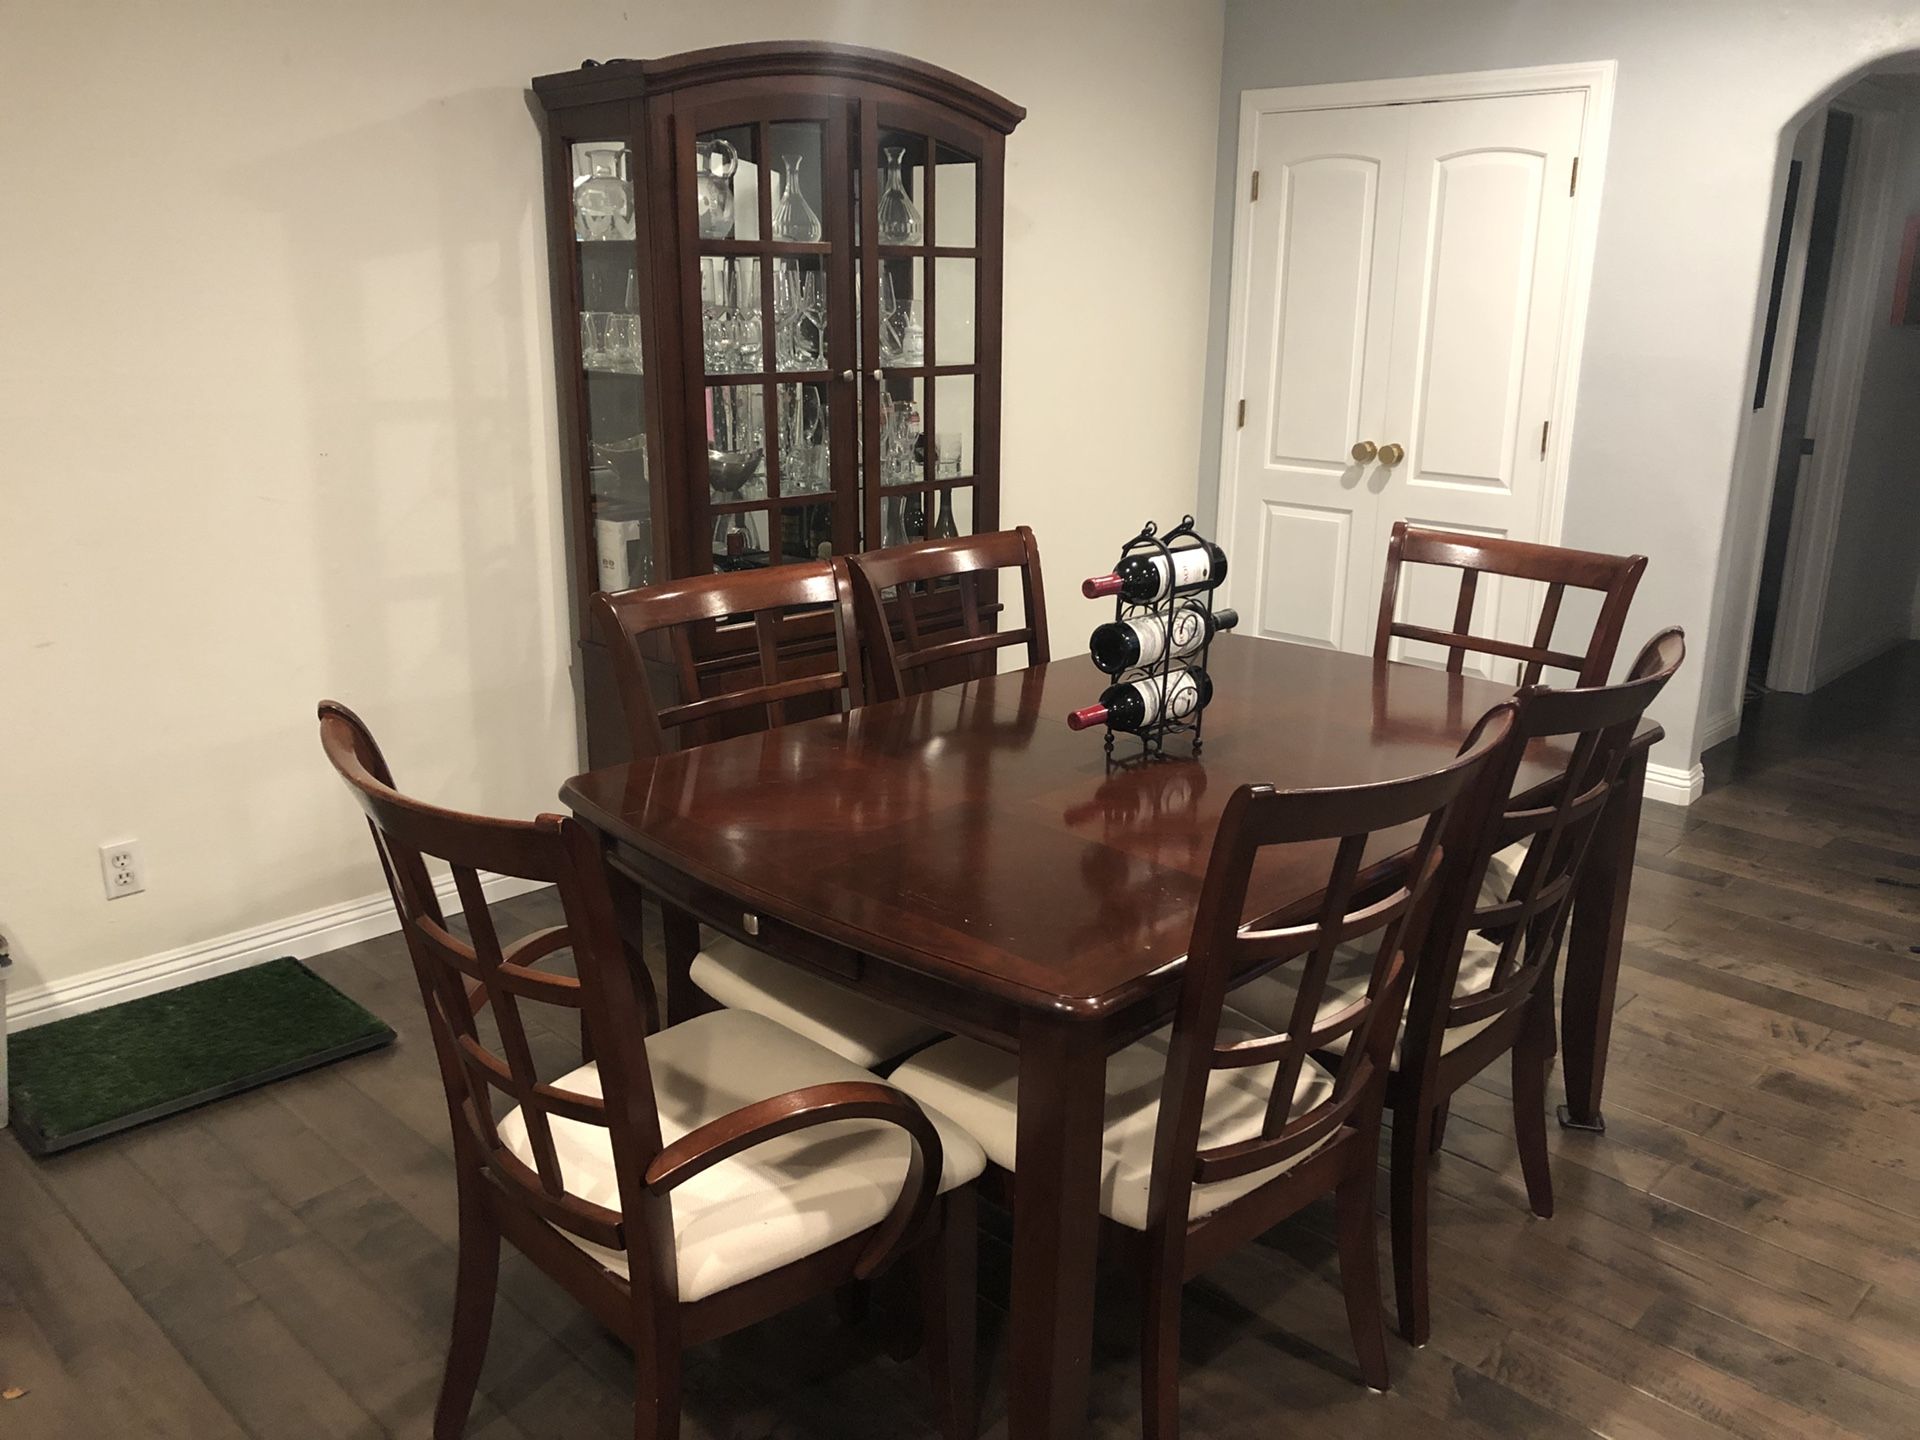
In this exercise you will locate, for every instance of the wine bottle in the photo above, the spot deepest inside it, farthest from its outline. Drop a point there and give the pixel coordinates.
(1143, 578)
(1139, 703)
(944, 525)
(1142, 640)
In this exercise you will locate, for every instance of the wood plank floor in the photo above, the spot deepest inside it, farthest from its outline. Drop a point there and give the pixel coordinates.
(1739, 1255)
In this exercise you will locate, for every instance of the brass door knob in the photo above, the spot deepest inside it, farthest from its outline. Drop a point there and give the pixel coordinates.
(1392, 454)
(1363, 451)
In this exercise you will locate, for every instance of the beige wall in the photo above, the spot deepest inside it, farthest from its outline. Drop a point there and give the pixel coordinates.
(1704, 90)
(276, 391)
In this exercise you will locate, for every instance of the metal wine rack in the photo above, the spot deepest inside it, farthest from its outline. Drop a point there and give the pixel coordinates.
(1153, 737)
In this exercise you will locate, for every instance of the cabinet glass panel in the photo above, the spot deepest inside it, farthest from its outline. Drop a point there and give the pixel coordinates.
(956, 211)
(797, 175)
(726, 184)
(736, 444)
(731, 336)
(954, 307)
(953, 423)
(900, 218)
(952, 511)
(803, 458)
(903, 336)
(740, 540)
(903, 445)
(610, 355)
(800, 306)
(806, 532)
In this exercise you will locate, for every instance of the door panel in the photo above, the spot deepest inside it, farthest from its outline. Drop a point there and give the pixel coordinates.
(1302, 555)
(1319, 291)
(1481, 300)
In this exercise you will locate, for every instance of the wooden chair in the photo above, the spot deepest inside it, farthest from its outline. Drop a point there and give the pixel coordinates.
(775, 680)
(711, 701)
(676, 1184)
(959, 644)
(1614, 576)
(1217, 1128)
(1483, 986)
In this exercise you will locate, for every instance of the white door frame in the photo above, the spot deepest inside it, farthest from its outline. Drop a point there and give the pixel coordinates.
(1866, 221)
(1595, 79)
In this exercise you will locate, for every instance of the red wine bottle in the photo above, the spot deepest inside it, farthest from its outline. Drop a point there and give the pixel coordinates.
(1138, 703)
(1143, 578)
(1141, 640)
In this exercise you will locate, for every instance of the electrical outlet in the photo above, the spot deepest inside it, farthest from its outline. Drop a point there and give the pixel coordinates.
(121, 870)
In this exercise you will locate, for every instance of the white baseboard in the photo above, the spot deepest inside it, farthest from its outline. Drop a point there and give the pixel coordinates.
(1674, 786)
(1719, 730)
(302, 936)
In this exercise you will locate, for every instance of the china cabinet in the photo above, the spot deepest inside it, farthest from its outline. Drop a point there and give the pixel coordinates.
(777, 279)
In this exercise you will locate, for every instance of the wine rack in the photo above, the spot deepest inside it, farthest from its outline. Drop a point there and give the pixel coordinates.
(1153, 736)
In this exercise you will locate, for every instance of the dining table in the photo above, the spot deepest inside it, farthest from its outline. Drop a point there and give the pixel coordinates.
(965, 856)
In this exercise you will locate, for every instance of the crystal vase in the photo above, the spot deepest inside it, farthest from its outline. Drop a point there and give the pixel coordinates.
(899, 216)
(794, 220)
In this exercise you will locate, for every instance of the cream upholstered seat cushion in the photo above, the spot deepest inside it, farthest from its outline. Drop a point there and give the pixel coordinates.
(773, 1204)
(864, 1030)
(1269, 999)
(978, 1085)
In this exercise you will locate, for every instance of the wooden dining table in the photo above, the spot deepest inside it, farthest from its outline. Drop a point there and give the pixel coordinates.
(962, 854)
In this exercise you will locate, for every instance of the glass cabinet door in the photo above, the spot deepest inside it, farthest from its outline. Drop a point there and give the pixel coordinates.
(920, 203)
(769, 314)
(606, 223)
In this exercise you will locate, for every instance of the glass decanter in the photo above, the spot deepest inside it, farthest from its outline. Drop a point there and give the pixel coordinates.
(714, 164)
(794, 220)
(603, 199)
(899, 216)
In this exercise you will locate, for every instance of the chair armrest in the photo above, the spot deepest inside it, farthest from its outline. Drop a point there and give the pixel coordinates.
(738, 1130)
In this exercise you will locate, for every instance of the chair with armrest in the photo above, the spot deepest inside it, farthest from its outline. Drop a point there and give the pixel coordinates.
(683, 1183)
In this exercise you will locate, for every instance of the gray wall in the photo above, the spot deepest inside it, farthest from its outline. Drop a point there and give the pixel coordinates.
(1705, 88)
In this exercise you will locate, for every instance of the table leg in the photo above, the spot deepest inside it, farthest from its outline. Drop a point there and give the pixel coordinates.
(1056, 1229)
(680, 938)
(1599, 925)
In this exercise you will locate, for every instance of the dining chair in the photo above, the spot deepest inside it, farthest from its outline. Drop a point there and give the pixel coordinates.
(1483, 984)
(946, 634)
(684, 1182)
(650, 635)
(1615, 577)
(1216, 1127)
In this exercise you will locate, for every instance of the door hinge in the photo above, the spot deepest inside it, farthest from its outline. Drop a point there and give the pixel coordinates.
(1241, 423)
(1545, 425)
(1256, 186)
(1573, 180)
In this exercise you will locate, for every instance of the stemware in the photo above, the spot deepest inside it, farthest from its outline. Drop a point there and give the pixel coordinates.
(794, 220)
(889, 320)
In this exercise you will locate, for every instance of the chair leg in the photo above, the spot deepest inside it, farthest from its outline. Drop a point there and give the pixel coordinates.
(473, 1293)
(949, 1287)
(656, 1395)
(1160, 1354)
(1360, 1276)
(1532, 1059)
(1439, 1128)
(1412, 1154)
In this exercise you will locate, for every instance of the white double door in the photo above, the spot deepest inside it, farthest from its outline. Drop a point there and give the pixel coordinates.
(1405, 285)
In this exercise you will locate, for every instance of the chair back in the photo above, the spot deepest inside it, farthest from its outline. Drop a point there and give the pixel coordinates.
(945, 634)
(1557, 826)
(1386, 906)
(463, 981)
(780, 679)
(1615, 577)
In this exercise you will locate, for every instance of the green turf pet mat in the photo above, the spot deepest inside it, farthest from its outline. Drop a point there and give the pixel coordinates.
(78, 1079)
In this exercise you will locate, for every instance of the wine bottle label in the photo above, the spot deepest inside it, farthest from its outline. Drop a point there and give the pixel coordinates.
(1181, 698)
(1189, 634)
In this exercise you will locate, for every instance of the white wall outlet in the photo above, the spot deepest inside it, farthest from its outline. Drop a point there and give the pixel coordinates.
(121, 869)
